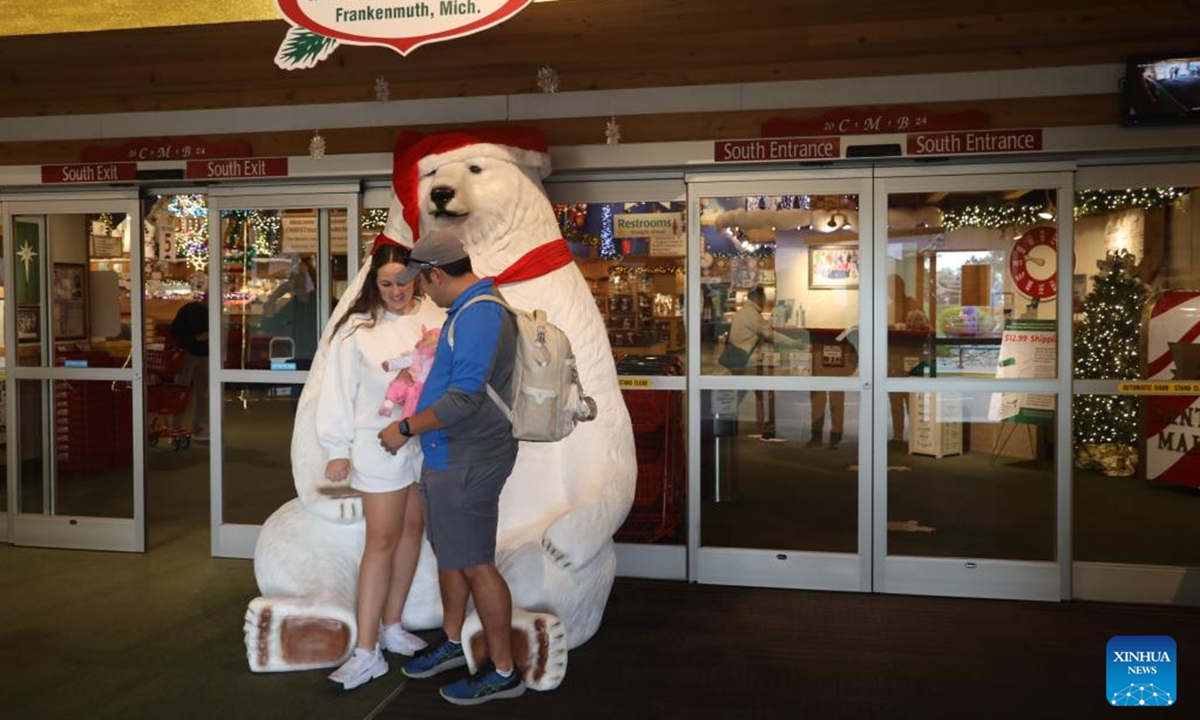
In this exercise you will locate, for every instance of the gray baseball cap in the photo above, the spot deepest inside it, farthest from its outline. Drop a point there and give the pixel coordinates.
(435, 249)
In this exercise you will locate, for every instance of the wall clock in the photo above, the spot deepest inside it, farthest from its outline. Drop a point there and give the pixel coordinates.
(1033, 263)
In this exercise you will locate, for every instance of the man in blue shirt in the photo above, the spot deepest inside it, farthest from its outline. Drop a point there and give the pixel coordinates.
(469, 453)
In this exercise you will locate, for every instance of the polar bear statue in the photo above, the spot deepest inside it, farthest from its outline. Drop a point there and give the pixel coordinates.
(564, 500)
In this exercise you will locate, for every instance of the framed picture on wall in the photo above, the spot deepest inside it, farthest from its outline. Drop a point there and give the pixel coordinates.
(69, 301)
(832, 267)
(28, 324)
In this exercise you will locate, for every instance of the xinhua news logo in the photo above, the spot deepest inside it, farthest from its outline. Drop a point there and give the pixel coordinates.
(1141, 671)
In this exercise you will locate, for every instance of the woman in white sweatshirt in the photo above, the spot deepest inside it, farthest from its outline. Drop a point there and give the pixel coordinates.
(385, 321)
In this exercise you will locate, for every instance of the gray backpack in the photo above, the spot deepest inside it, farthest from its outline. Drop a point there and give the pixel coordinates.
(548, 398)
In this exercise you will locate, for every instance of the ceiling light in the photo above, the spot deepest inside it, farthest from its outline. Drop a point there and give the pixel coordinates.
(1047, 211)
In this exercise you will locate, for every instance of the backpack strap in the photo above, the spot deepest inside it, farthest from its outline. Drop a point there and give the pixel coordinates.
(485, 297)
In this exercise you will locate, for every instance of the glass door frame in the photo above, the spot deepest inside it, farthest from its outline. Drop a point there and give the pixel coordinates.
(783, 567)
(664, 562)
(970, 577)
(236, 539)
(74, 531)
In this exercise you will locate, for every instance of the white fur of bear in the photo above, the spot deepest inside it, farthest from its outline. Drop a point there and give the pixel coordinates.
(559, 509)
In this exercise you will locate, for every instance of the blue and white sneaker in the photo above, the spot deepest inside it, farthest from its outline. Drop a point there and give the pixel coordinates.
(488, 685)
(435, 660)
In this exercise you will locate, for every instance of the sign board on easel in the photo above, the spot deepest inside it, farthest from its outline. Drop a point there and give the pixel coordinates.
(1027, 351)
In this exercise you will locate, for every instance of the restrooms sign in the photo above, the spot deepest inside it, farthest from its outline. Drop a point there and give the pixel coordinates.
(318, 26)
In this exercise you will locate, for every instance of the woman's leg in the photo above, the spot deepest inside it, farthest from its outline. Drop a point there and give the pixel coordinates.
(384, 513)
(408, 552)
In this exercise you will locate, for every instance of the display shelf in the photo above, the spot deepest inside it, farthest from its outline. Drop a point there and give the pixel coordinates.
(936, 424)
(643, 314)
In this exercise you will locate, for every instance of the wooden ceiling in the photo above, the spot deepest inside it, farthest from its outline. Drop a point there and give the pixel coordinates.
(594, 45)
(600, 44)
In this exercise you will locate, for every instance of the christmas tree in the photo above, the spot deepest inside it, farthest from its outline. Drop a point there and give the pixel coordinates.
(1106, 348)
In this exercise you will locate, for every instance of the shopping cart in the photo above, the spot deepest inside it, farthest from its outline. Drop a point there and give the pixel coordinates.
(658, 501)
(166, 402)
(163, 363)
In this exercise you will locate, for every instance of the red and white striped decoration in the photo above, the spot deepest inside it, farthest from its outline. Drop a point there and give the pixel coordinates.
(1175, 318)
(1172, 421)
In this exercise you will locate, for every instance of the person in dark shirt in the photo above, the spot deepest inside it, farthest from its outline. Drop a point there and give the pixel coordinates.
(189, 332)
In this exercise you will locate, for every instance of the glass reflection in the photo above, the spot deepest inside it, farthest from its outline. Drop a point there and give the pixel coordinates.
(256, 470)
(966, 480)
(960, 268)
(779, 284)
(91, 442)
(269, 288)
(770, 479)
(1136, 313)
(632, 256)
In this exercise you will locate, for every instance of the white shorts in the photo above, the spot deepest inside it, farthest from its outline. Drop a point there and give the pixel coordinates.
(375, 470)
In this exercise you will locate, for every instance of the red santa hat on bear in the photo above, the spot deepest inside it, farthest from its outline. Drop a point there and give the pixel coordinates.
(415, 156)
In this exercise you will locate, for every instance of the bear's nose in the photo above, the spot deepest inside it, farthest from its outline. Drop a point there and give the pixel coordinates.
(441, 195)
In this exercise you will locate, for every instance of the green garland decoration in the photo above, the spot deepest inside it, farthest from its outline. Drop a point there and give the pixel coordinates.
(1092, 202)
(990, 216)
(1087, 202)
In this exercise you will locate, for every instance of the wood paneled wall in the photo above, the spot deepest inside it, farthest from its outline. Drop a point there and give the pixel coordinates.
(600, 44)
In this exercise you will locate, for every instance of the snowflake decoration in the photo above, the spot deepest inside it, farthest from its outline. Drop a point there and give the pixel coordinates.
(612, 132)
(316, 146)
(547, 79)
(383, 91)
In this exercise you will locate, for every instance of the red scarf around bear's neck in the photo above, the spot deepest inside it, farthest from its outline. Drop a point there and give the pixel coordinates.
(542, 260)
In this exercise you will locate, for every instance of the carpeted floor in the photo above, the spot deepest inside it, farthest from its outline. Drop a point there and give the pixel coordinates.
(156, 636)
(133, 637)
(671, 650)
(145, 637)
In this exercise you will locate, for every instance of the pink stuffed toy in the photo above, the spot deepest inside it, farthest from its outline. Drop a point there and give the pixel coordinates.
(405, 389)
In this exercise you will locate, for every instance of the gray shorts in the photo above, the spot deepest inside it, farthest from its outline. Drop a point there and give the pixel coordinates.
(462, 506)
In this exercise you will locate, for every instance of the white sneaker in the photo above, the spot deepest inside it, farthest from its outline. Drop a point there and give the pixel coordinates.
(396, 639)
(362, 667)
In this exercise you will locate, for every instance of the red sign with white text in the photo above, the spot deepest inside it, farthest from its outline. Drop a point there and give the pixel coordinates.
(402, 25)
(873, 120)
(237, 169)
(778, 150)
(146, 149)
(89, 173)
(975, 142)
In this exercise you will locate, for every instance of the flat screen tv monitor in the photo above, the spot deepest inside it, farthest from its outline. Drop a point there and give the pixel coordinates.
(1163, 89)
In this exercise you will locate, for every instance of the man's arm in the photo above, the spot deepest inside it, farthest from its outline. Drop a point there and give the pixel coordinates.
(392, 439)
(477, 337)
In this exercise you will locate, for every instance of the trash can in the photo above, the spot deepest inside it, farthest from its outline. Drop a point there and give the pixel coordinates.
(721, 429)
